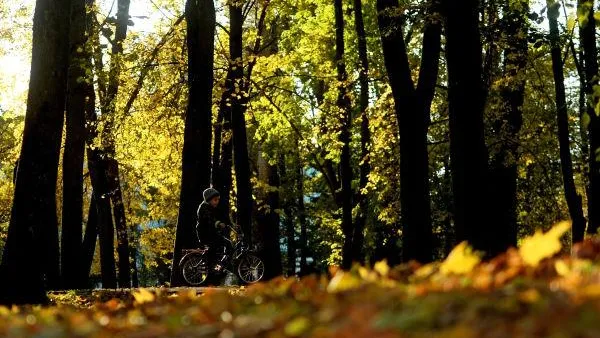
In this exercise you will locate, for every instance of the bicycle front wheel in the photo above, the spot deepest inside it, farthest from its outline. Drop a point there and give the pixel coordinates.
(251, 269)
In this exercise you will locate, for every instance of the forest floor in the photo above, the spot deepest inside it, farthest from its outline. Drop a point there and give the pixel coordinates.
(533, 291)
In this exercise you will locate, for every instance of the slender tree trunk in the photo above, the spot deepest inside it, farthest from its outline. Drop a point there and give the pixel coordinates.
(268, 217)
(216, 152)
(343, 105)
(31, 250)
(112, 166)
(135, 280)
(303, 239)
(222, 174)
(289, 219)
(414, 159)
(503, 169)
(100, 191)
(72, 215)
(466, 96)
(106, 230)
(238, 122)
(200, 18)
(88, 247)
(365, 134)
(590, 56)
(574, 201)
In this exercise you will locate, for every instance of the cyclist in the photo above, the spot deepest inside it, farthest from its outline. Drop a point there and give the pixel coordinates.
(211, 228)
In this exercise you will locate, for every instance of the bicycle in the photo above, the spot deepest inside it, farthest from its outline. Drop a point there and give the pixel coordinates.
(240, 258)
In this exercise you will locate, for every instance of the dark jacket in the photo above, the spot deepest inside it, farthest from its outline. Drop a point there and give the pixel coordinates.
(206, 227)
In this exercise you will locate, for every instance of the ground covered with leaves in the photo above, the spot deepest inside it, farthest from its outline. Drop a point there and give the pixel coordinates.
(527, 292)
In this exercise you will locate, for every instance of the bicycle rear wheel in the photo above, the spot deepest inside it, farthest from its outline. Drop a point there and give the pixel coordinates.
(194, 269)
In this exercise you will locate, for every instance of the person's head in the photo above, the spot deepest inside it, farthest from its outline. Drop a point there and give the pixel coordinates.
(212, 197)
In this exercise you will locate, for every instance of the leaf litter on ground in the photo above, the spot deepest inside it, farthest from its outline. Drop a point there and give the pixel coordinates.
(533, 291)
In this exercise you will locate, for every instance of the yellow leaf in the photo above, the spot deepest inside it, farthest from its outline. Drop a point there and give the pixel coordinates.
(529, 296)
(543, 245)
(382, 268)
(297, 326)
(143, 296)
(562, 268)
(343, 281)
(460, 261)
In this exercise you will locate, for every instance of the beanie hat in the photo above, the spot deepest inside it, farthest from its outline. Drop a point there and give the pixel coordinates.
(210, 193)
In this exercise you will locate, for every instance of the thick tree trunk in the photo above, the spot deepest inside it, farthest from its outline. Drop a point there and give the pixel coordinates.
(507, 125)
(466, 104)
(72, 210)
(574, 201)
(238, 122)
(412, 111)
(365, 134)
(31, 250)
(590, 56)
(200, 17)
(343, 105)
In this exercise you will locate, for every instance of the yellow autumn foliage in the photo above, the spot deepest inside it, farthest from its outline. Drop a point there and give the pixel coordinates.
(543, 245)
(460, 261)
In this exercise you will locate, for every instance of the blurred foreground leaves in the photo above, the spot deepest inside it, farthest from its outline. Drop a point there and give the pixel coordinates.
(523, 293)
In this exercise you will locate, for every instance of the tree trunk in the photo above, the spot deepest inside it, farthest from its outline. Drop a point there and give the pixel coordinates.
(590, 55)
(414, 159)
(343, 105)
(200, 18)
(31, 250)
(72, 211)
(238, 122)
(216, 152)
(289, 219)
(222, 178)
(466, 95)
(88, 247)
(106, 230)
(365, 134)
(269, 220)
(573, 199)
(503, 170)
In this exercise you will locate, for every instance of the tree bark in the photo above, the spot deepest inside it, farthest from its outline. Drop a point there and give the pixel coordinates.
(72, 211)
(100, 192)
(289, 219)
(412, 108)
(365, 134)
(88, 247)
(269, 220)
(238, 121)
(344, 111)
(574, 201)
(196, 159)
(503, 168)
(31, 250)
(112, 166)
(223, 151)
(466, 96)
(590, 55)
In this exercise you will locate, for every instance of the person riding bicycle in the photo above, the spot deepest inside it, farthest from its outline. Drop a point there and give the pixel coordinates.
(212, 226)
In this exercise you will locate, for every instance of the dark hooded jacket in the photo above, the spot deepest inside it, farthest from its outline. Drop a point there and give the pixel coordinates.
(209, 218)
